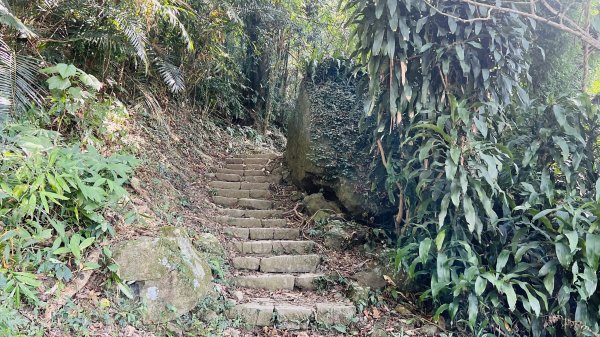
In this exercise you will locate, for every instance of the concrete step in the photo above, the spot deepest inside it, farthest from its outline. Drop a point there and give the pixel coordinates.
(257, 155)
(252, 222)
(245, 203)
(245, 166)
(292, 316)
(252, 213)
(262, 233)
(247, 161)
(247, 173)
(277, 247)
(278, 264)
(254, 194)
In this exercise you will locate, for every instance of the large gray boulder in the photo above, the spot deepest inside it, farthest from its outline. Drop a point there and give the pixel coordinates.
(330, 145)
(167, 273)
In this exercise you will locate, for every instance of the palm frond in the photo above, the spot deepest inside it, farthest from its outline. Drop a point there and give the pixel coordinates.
(9, 19)
(19, 83)
(171, 75)
(133, 29)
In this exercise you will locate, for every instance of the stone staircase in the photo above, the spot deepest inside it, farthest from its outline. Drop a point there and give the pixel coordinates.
(268, 253)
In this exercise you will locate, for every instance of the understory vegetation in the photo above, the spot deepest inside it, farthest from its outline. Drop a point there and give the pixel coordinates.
(487, 129)
(496, 180)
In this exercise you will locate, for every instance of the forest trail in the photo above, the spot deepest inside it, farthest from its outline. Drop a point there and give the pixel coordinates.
(273, 267)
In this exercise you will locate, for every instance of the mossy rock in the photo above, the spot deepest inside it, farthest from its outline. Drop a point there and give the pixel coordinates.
(169, 274)
(330, 146)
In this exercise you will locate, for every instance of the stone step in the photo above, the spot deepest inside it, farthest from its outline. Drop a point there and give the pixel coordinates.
(250, 179)
(247, 173)
(292, 316)
(252, 213)
(245, 203)
(244, 166)
(252, 222)
(247, 161)
(254, 194)
(278, 264)
(266, 281)
(236, 185)
(262, 233)
(258, 155)
(277, 247)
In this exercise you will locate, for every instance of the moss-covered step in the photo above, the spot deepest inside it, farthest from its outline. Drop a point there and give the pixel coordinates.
(249, 173)
(263, 233)
(252, 213)
(279, 264)
(292, 316)
(277, 247)
(258, 155)
(245, 203)
(245, 166)
(247, 161)
(252, 222)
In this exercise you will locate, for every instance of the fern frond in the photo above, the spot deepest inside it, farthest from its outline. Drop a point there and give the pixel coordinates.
(171, 75)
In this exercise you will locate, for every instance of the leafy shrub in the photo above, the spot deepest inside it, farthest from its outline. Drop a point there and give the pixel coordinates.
(506, 235)
(56, 200)
(53, 199)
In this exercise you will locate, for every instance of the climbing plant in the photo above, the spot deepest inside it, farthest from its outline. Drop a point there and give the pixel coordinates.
(496, 192)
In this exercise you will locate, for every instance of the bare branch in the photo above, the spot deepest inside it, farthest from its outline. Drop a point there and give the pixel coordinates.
(573, 29)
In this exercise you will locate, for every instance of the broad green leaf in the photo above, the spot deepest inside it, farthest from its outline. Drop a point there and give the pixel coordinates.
(511, 296)
(378, 41)
(424, 248)
(473, 309)
(57, 83)
(592, 249)
(439, 240)
(564, 254)
(573, 239)
(502, 260)
(549, 282)
(480, 284)
(444, 210)
(90, 81)
(470, 214)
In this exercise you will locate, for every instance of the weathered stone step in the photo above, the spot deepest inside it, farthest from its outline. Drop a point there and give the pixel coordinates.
(247, 173)
(278, 247)
(245, 203)
(257, 155)
(291, 316)
(245, 166)
(275, 281)
(251, 179)
(252, 222)
(263, 233)
(254, 194)
(252, 213)
(247, 161)
(279, 264)
(236, 185)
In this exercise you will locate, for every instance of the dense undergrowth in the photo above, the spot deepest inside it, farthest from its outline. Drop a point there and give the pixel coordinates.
(498, 192)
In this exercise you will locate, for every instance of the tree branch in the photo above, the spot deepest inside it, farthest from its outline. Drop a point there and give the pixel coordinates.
(574, 29)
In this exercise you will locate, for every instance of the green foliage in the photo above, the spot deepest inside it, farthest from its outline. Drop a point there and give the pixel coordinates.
(499, 189)
(55, 198)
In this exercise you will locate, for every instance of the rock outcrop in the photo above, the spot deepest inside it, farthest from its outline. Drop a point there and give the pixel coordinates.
(166, 272)
(329, 145)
